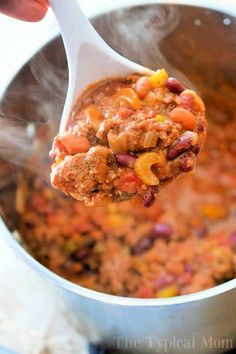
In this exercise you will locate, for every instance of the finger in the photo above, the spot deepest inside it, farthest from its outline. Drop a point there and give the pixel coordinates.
(27, 10)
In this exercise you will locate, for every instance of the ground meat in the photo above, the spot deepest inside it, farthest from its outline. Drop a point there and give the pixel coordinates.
(125, 137)
(79, 175)
(185, 243)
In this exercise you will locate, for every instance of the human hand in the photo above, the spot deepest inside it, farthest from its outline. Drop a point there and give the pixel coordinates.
(26, 10)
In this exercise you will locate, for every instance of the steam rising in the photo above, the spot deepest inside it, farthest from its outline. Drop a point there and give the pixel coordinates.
(51, 82)
(137, 34)
(23, 140)
(15, 142)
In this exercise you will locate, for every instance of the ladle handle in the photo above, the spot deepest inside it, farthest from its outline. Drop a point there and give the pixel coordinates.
(75, 28)
(82, 44)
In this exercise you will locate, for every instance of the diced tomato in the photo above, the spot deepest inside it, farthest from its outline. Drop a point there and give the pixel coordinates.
(145, 292)
(129, 183)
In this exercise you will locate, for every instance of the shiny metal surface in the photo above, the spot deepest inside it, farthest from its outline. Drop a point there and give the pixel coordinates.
(177, 37)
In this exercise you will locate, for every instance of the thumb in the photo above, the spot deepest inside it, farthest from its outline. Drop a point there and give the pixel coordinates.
(26, 10)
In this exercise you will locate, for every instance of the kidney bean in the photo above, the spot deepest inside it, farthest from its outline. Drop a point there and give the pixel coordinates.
(188, 268)
(143, 86)
(81, 254)
(233, 238)
(200, 127)
(143, 245)
(161, 231)
(164, 280)
(125, 159)
(184, 143)
(174, 86)
(149, 197)
(187, 163)
(196, 148)
(201, 232)
(185, 279)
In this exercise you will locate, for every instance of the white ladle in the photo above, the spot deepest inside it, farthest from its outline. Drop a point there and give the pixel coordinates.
(89, 57)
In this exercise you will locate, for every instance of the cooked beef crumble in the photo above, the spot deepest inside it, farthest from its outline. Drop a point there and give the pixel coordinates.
(127, 138)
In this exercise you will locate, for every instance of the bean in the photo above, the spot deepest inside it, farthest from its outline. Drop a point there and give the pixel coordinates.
(185, 279)
(184, 143)
(188, 268)
(164, 280)
(190, 100)
(184, 117)
(187, 163)
(174, 86)
(201, 231)
(125, 159)
(196, 148)
(74, 144)
(143, 86)
(233, 238)
(149, 197)
(187, 101)
(58, 149)
(143, 245)
(200, 127)
(161, 231)
(81, 254)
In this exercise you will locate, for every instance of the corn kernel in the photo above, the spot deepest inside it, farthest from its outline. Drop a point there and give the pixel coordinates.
(100, 247)
(160, 118)
(115, 220)
(159, 78)
(58, 160)
(168, 291)
(69, 246)
(214, 211)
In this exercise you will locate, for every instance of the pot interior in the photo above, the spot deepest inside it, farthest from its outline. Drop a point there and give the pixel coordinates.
(194, 44)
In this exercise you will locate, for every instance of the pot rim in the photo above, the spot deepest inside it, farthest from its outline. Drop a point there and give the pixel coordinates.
(57, 280)
(100, 8)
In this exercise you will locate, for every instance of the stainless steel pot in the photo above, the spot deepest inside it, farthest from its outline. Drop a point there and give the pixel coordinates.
(201, 43)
